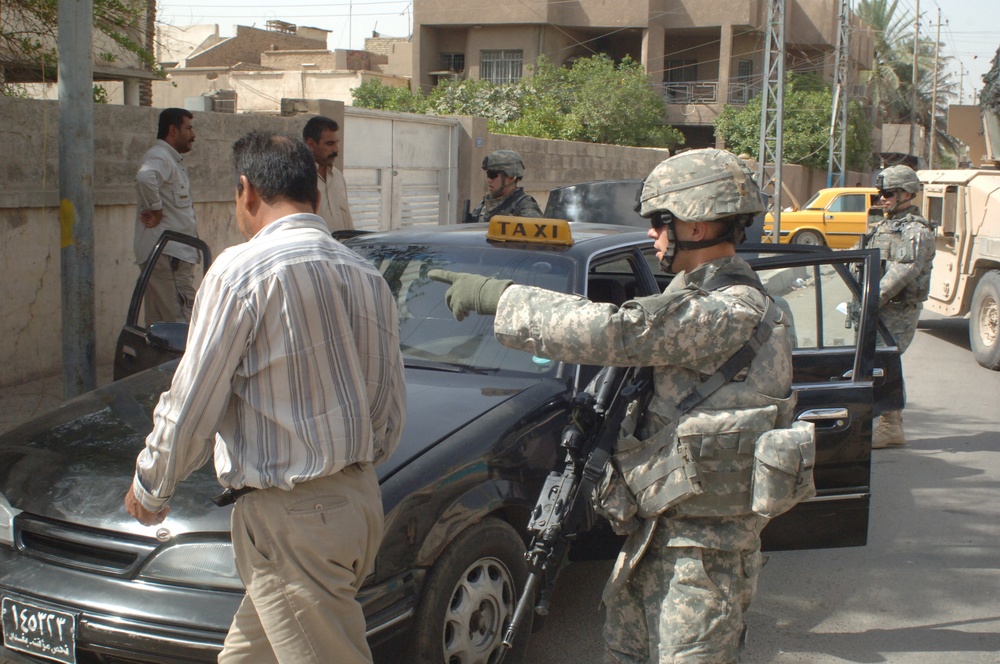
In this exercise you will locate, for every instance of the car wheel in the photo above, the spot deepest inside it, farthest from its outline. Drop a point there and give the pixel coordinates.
(469, 597)
(810, 238)
(984, 321)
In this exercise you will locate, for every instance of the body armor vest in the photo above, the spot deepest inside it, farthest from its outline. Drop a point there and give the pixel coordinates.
(894, 247)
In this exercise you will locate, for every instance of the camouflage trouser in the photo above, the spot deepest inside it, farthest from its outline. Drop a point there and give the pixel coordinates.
(682, 604)
(901, 319)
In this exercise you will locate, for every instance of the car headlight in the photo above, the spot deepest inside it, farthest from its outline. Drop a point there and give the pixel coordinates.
(204, 564)
(7, 514)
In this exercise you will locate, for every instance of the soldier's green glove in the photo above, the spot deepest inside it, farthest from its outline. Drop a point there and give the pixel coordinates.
(470, 292)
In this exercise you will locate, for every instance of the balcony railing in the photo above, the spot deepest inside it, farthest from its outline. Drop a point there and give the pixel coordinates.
(707, 92)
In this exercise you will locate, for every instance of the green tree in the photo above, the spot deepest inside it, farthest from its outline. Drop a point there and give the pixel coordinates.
(595, 100)
(372, 94)
(806, 138)
(989, 100)
(28, 39)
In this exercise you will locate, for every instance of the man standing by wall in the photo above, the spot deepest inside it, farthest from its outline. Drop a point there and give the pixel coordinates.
(322, 135)
(504, 169)
(164, 203)
(293, 367)
(905, 241)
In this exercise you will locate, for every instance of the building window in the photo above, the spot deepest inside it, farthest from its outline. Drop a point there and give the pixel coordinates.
(499, 67)
(744, 70)
(454, 62)
(682, 71)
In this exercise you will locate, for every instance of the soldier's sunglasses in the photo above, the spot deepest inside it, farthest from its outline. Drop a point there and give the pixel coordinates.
(888, 193)
(492, 174)
(660, 219)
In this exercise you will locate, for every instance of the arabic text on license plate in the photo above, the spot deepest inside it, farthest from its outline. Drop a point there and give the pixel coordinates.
(37, 630)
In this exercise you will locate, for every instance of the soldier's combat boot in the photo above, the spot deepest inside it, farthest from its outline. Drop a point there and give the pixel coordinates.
(889, 431)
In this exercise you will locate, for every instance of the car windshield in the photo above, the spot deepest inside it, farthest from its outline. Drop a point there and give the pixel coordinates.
(429, 334)
(811, 203)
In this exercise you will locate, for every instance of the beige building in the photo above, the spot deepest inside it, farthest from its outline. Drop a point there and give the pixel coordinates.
(701, 55)
(254, 70)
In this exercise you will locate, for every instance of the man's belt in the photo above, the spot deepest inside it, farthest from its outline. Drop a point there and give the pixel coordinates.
(230, 496)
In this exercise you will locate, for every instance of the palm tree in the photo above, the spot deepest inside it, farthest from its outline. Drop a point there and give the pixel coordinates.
(890, 79)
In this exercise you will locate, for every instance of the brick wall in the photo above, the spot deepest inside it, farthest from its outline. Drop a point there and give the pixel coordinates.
(248, 44)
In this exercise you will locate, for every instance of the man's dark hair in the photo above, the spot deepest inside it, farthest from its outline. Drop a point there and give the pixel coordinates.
(317, 125)
(171, 117)
(277, 166)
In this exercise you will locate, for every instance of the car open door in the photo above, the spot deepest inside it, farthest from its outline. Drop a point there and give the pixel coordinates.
(140, 347)
(842, 378)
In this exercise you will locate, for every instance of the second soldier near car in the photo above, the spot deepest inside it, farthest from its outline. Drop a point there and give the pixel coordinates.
(905, 241)
(504, 169)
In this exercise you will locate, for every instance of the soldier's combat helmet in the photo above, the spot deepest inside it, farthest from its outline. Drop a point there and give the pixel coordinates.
(507, 162)
(701, 185)
(899, 176)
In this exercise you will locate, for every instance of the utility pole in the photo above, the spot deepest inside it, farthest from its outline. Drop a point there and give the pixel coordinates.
(913, 91)
(836, 168)
(76, 194)
(772, 110)
(937, 50)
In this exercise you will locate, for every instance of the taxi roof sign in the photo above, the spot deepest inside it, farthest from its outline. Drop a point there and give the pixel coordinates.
(528, 229)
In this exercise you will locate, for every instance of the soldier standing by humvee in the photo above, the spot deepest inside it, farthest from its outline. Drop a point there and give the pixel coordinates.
(689, 567)
(504, 169)
(905, 241)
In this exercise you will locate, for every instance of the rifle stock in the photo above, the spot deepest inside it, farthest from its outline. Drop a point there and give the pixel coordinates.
(588, 440)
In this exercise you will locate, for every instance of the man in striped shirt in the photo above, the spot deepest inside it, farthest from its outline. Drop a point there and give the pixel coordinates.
(293, 367)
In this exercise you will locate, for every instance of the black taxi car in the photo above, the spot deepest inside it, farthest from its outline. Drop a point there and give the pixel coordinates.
(81, 581)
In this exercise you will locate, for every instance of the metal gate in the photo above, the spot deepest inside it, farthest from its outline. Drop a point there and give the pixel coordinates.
(400, 169)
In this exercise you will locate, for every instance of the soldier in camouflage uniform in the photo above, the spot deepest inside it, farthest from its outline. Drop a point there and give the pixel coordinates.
(905, 241)
(504, 169)
(686, 574)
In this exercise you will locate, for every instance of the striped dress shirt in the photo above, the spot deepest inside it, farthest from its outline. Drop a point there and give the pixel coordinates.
(292, 369)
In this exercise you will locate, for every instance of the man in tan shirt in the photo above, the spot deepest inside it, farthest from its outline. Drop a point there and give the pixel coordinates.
(322, 135)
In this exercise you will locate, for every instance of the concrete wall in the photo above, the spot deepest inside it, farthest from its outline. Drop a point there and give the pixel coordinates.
(550, 164)
(29, 221)
(966, 124)
(262, 91)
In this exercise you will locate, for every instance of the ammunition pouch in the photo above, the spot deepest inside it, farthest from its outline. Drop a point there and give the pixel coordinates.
(701, 468)
(612, 498)
(783, 469)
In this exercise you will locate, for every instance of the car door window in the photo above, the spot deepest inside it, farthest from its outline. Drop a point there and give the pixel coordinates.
(817, 300)
(849, 203)
(139, 346)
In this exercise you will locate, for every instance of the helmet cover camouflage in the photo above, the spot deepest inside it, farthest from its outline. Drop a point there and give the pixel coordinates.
(899, 176)
(701, 185)
(505, 161)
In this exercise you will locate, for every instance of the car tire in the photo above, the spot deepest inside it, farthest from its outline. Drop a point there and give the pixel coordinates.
(984, 321)
(469, 597)
(809, 238)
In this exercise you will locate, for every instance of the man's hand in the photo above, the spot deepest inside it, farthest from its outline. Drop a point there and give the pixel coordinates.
(141, 514)
(470, 292)
(151, 218)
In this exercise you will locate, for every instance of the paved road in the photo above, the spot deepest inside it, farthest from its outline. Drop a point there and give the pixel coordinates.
(926, 589)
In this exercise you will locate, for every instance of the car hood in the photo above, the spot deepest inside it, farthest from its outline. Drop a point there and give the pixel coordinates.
(76, 463)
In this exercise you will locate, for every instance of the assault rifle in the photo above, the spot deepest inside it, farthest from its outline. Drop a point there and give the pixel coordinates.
(588, 440)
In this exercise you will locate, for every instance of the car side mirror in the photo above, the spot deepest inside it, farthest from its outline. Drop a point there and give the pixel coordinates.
(168, 336)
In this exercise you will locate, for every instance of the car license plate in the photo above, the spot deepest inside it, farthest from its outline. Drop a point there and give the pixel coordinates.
(38, 630)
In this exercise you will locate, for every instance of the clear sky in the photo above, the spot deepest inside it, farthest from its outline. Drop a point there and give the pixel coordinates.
(970, 35)
(970, 29)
